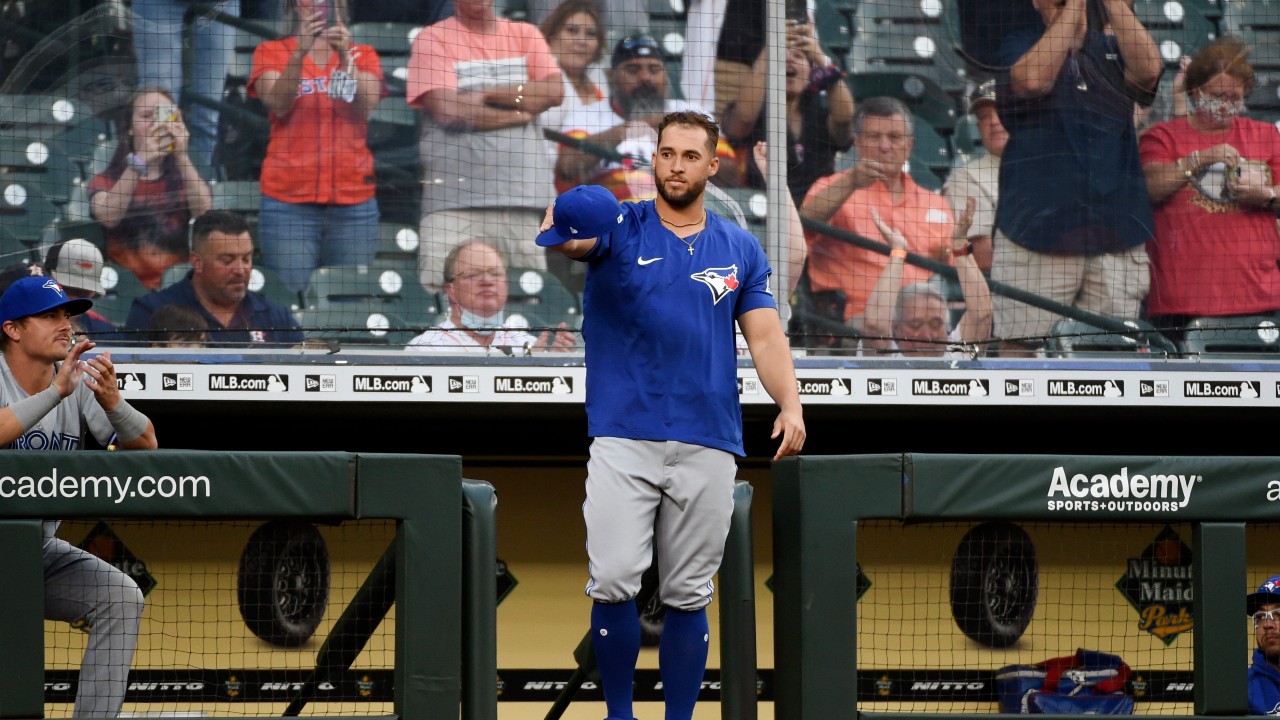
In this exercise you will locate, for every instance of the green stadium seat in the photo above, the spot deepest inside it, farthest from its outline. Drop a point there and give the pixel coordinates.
(263, 279)
(903, 36)
(670, 34)
(120, 288)
(666, 8)
(240, 195)
(1252, 336)
(389, 285)
(1176, 28)
(393, 124)
(357, 324)
(389, 39)
(1071, 338)
(932, 157)
(37, 158)
(834, 26)
(397, 241)
(39, 109)
(536, 299)
(25, 213)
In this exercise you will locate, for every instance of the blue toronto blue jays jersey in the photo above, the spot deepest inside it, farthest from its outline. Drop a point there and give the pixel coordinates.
(658, 324)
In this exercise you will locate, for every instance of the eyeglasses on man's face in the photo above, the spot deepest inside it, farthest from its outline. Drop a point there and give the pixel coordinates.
(493, 274)
(1266, 616)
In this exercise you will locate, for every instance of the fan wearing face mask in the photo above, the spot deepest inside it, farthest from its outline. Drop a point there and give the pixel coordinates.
(475, 281)
(1211, 178)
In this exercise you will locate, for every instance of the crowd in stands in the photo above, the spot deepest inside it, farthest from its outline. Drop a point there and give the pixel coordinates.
(1075, 191)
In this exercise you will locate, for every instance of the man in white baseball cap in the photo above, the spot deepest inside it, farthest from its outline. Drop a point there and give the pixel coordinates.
(77, 266)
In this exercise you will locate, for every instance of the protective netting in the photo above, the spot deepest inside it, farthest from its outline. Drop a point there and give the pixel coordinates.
(387, 167)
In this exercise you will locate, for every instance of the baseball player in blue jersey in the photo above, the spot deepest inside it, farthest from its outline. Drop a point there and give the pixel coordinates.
(49, 399)
(666, 280)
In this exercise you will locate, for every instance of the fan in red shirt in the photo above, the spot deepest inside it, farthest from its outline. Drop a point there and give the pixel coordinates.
(318, 185)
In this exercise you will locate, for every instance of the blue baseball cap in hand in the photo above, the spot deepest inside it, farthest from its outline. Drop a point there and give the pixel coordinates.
(34, 295)
(583, 212)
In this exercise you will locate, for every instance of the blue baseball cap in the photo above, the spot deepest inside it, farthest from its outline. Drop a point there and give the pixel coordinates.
(1268, 594)
(582, 212)
(34, 295)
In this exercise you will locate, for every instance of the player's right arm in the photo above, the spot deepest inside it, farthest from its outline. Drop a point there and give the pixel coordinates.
(19, 417)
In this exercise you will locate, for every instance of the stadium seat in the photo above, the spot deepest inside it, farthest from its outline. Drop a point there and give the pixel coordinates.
(537, 300)
(670, 33)
(391, 286)
(120, 288)
(932, 157)
(1232, 337)
(834, 26)
(1177, 28)
(25, 213)
(909, 36)
(240, 195)
(397, 241)
(393, 124)
(358, 324)
(38, 109)
(263, 279)
(34, 157)
(1071, 338)
(14, 250)
(387, 38)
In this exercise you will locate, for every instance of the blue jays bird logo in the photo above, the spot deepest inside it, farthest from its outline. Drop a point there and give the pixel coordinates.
(722, 281)
(53, 285)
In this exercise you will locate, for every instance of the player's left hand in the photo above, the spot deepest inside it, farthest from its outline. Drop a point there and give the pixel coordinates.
(790, 425)
(100, 377)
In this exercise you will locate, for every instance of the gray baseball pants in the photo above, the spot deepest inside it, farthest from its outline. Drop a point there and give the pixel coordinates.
(80, 585)
(675, 494)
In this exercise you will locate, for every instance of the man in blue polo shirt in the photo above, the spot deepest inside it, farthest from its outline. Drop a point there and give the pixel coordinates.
(217, 287)
(1073, 214)
(666, 281)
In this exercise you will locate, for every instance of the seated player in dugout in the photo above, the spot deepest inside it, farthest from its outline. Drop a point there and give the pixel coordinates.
(1263, 608)
(51, 396)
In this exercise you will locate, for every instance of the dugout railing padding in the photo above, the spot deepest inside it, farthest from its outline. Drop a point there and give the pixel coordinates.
(819, 501)
(424, 494)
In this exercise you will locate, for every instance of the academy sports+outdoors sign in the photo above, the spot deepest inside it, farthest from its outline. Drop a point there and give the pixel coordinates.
(1057, 487)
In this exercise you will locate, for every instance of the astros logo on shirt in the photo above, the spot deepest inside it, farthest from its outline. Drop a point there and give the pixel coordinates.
(721, 281)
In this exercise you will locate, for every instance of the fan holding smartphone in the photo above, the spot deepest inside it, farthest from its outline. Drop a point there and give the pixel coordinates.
(318, 205)
(150, 189)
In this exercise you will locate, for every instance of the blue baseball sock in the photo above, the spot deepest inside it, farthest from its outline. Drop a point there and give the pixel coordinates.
(682, 660)
(615, 637)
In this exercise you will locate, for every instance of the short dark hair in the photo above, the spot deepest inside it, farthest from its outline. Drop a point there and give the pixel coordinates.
(692, 118)
(226, 222)
(176, 323)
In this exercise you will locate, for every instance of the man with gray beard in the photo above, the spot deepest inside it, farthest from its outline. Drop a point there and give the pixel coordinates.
(626, 123)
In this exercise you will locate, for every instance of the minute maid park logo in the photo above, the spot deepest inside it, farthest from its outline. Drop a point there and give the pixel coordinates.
(1158, 584)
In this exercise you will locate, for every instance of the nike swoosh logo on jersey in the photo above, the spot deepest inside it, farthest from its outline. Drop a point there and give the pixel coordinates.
(646, 261)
